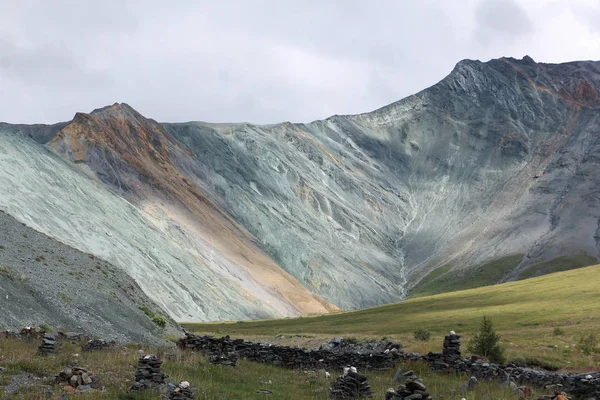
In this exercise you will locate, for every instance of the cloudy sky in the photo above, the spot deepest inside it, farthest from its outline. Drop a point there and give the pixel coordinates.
(263, 61)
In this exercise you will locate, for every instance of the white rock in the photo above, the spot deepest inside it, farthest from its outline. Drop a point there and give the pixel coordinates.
(184, 385)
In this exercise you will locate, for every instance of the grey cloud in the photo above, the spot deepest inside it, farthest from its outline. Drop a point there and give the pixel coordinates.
(47, 65)
(501, 20)
(262, 61)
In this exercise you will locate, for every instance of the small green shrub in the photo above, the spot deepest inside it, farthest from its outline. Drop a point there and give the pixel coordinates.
(422, 334)
(147, 311)
(486, 342)
(160, 320)
(45, 327)
(558, 331)
(588, 344)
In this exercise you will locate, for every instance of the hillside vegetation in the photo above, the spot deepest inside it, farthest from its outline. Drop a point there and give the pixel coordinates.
(525, 312)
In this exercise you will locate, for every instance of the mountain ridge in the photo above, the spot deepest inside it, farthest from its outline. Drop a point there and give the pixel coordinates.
(496, 159)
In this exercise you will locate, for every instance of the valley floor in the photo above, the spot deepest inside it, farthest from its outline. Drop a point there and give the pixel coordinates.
(543, 318)
(116, 369)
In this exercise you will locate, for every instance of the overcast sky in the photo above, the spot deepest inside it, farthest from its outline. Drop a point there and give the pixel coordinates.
(263, 61)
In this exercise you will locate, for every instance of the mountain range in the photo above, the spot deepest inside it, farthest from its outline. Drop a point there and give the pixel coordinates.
(236, 221)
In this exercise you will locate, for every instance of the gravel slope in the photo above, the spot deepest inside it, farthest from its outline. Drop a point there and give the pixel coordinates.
(43, 281)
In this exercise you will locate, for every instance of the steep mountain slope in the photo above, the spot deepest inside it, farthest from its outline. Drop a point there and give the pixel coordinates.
(495, 160)
(239, 220)
(43, 281)
(183, 252)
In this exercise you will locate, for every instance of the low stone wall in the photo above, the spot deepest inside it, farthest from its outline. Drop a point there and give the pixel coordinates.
(581, 386)
(291, 357)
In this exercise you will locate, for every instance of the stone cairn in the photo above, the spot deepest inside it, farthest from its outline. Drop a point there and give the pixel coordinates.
(181, 392)
(98, 344)
(148, 374)
(48, 345)
(451, 349)
(350, 385)
(77, 378)
(414, 388)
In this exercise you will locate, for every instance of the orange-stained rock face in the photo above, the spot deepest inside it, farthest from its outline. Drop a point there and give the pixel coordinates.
(137, 151)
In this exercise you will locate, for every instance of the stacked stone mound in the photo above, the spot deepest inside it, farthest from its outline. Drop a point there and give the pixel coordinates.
(148, 374)
(350, 385)
(181, 392)
(451, 347)
(98, 344)
(77, 378)
(48, 345)
(414, 388)
(291, 357)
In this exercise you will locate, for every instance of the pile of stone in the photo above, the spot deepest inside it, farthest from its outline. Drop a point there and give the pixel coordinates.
(350, 385)
(48, 345)
(223, 349)
(77, 379)
(148, 374)
(74, 337)
(181, 392)
(229, 359)
(98, 344)
(414, 388)
(451, 347)
(341, 346)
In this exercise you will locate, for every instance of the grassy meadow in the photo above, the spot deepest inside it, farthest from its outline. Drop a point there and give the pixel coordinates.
(541, 318)
(116, 368)
(541, 321)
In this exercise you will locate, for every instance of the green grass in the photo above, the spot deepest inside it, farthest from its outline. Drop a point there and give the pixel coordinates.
(446, 279)
(525, 313)
(116, 369)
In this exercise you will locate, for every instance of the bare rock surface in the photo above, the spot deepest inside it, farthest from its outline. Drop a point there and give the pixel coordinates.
(237, 221)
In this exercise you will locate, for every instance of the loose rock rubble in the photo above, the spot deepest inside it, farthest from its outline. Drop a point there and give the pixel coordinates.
(341, 346)
(98, 344)
(224, 359)
(48, 345)
(413, 389)
(148, 374)
(77, 378)
(350, 385)
(181, 392)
